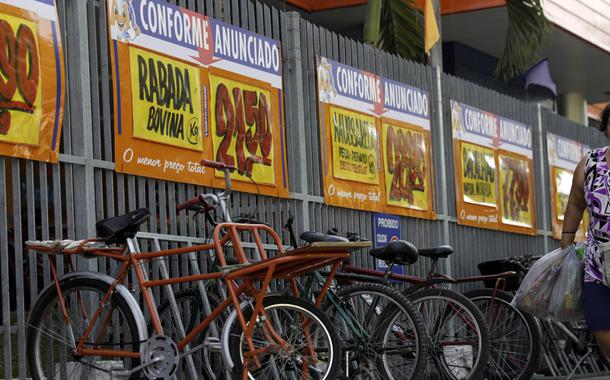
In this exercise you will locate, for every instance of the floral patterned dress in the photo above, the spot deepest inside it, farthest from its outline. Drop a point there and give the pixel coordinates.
(597, 178)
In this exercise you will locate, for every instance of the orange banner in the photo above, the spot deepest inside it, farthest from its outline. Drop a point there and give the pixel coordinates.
(185, 94)
(493, 158)
(32, 81)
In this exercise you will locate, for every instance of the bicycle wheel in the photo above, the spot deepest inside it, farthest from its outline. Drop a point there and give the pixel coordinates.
(459, 339)
(207, 359)
(312, 349)
(382, 333)
(514, 336)
(51, 342)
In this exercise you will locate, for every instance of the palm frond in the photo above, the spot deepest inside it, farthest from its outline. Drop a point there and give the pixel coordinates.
(527, 33)
(401, 29)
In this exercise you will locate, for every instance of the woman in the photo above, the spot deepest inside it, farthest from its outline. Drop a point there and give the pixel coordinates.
(590, 188)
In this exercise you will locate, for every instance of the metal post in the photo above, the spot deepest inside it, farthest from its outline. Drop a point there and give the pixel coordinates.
(436, 53)
(79, 90)
(543, 179)
(442, 174)
(295, 109)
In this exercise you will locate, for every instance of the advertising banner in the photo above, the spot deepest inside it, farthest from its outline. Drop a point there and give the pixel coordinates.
(189, 87)
(386, 228)
(493, 161)
(563, 154)
(32, 80)
(375, 137)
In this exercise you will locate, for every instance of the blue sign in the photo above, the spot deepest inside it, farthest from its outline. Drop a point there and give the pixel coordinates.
(386, 228)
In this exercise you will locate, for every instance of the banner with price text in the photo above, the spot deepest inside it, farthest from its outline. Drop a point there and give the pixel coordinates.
(31, 80)
(189, 87)
(563, 155)
(375, 137)
(493, 165)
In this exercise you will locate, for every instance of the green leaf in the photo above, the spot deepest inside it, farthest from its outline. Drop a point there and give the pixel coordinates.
(401, 29)
(527, 33)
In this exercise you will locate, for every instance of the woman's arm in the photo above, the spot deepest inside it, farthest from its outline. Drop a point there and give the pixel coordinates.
(576, 206)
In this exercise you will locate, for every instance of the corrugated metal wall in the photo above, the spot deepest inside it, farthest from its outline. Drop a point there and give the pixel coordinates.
(42, 201)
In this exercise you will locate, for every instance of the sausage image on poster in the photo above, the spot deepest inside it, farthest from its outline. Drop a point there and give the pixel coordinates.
(406, 168)
(478, 175)
(515, 197)
(31, 80)
(354, 146)
(166, 100)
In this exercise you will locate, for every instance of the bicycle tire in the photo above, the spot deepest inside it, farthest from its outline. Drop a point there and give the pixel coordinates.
(271, 302)
(438, 354)
(209, 370)
(385, 323)
(47, 299)
(482, 297)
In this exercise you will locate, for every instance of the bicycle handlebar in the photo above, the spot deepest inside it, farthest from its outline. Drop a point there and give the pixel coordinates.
(218, 165)
(188, 204)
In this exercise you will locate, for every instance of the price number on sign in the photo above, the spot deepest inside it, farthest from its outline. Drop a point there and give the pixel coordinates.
(19, 72)
(405, 162)
(243, 115)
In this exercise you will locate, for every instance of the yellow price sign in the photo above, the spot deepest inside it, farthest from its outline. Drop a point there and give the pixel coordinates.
(20, 81)
(406, 171)
(515, 194)
(243, 127)
(166, 99)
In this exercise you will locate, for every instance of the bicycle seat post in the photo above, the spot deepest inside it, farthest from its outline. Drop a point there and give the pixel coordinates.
(224, 196)
(388, 271)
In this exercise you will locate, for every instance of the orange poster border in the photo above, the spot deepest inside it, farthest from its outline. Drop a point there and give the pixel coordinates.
(430, 213)
(50, 128)
(532, 231)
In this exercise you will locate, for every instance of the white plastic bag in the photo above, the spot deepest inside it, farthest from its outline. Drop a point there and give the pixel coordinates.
(535, 290)
(567, 303)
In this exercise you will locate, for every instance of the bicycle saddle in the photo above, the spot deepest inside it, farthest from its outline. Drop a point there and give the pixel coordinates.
(436, 252)
(117, 229)
(314, 237)
(399, 252)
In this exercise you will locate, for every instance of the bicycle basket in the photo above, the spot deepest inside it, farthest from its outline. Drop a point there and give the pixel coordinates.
(499, 266)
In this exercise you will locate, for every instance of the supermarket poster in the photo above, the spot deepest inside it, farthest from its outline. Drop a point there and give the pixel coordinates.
(375, 142)
(32, 85)
(493, 161)
(189, 87)
(563, 156)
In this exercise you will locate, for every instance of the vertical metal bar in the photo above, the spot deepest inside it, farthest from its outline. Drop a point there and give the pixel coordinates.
(4, 280)
(543, 178)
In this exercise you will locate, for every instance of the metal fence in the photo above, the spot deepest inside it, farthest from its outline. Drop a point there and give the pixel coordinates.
(42, 201)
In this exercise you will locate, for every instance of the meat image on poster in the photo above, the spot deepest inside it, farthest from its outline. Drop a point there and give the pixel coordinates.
(375, 148)
(32, 80)
(563, 156)
(188, 87)
(406, 166)
(494, 178)
(515, 197)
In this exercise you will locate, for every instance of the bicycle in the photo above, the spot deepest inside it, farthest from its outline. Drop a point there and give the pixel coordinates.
(459, 341)
(85, 323)
(565, 346)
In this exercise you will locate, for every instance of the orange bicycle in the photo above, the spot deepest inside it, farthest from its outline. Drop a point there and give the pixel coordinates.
(88, 324)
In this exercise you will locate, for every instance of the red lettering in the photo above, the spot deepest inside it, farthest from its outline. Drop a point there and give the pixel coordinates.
(245, 116)
(20, 71)
(406, 164)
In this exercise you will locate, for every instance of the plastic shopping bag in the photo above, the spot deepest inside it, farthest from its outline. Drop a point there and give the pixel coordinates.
(566, 303)
(535, 290)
